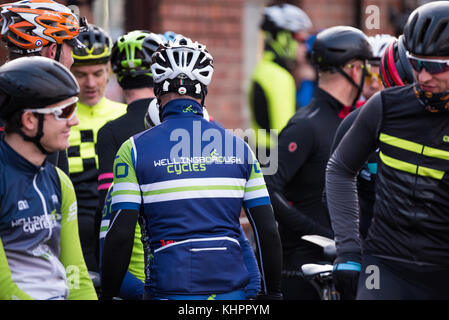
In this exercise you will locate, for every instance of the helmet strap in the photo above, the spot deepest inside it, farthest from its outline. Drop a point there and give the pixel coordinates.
(359, 86)
(37, 138)
(58, 52)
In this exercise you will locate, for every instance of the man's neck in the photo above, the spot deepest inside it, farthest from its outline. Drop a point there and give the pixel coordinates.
(132, 95)
(26, 149)
(342, 91)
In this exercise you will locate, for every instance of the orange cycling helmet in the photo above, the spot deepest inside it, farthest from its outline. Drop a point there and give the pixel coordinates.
(29, 25)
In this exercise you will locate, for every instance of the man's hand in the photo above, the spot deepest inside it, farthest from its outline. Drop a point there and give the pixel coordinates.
(346, 276)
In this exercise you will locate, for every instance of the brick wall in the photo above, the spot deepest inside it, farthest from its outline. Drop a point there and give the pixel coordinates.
(219, 24)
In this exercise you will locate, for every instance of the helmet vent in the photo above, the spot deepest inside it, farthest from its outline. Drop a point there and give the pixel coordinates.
(424, 30)
(440, 30)
(189, 57)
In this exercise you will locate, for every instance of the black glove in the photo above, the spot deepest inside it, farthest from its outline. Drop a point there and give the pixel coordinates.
(346, 276)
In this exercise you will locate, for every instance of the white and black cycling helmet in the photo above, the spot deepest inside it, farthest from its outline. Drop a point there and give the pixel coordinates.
(182, 66)
(379, 43)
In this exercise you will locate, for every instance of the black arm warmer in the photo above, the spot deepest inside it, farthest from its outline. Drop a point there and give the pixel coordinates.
(341, 182)
(269, 250)
(117, 251)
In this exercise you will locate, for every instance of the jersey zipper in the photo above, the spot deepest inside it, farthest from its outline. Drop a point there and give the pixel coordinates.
(44, 206)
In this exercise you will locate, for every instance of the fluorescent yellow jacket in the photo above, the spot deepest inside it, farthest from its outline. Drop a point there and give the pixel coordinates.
(83, 159)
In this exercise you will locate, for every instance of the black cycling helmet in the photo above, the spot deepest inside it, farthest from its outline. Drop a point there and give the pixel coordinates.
(335, 46)
(427, 30)
(34, 82)
(131, 58)
(395, 70)
(97, 48)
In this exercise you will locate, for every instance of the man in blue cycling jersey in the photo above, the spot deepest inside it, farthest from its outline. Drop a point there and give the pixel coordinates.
(187, 180)
(40, 251)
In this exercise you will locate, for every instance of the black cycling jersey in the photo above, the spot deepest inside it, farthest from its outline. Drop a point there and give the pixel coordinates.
(110, 138)
(410, 221)
(296, 189)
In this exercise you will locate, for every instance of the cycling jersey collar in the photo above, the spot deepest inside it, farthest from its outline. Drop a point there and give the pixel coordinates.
(182, 107)
(333, 102)
(16, 160)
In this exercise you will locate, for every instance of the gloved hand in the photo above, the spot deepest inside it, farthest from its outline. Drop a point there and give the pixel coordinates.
(346, 276)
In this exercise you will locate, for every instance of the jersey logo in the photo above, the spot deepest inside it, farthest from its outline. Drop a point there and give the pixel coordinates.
(292, 147)
(22, 205)
(54, 199)
(121, 170)
(189, 109)
(446, 139)
(214, 153)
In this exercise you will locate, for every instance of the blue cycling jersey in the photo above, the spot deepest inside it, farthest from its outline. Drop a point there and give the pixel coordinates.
(132, 287)
(189, 178)
(40, 252)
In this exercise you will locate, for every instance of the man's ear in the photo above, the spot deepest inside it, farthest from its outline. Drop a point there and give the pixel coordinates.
(49, 51)
(29, 121)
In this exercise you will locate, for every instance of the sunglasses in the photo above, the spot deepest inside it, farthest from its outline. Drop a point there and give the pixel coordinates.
(362, 66)
(63, 112)
(371, 76)
(432, 66)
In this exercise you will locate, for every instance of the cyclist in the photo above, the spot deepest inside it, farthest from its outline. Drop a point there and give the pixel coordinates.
(40, 252)
(41, 28)
(131, 62)
(408, 240)
(373, 82)
(190, 210)
(296, 188)
(272, 92)
(395, 70)
(132, 286)
(91, 69)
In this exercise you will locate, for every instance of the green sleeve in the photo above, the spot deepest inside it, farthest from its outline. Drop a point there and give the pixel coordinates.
(126, 193)
(71, 255)
(8, 289)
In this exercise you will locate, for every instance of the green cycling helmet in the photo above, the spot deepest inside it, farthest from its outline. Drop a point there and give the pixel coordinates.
(131, 58)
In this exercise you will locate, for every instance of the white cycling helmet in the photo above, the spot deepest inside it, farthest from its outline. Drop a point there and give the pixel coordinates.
(152, 116)
(182, 66)
(288, 17)
(379, 43)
